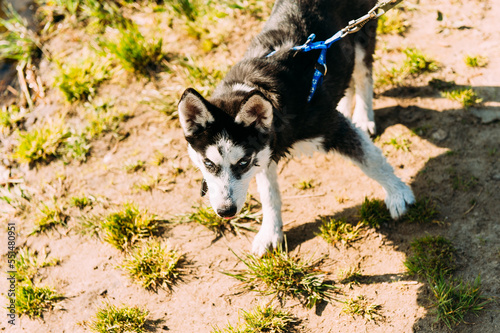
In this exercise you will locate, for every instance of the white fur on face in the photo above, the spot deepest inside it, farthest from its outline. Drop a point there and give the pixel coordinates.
(224, 188)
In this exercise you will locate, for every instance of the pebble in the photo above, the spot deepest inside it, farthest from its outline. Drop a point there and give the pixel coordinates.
(440, 135)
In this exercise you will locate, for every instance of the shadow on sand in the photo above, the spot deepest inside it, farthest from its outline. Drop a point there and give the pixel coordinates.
(467, 176)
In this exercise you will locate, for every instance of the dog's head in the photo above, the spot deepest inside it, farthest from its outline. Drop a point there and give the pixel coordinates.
(229, 141)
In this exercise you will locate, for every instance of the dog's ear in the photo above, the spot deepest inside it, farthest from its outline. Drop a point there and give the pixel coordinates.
(256, 110)
(193, 112)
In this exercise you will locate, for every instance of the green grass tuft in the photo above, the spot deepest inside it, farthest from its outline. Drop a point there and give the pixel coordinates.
(28, 262)
(387, 77)
(350, 276)
(101, 14)
(422, 211)
(374, 213)
(476, 61)
(165, 103)
(263, 319)
(208, 218)
(134, 52)
(49, 217)
(79, 81)
(392, 22)
(334, 231)
(53, 139)
(399, 143)
(359, 306)
(11, 116)
(95, 15)
(34, 301)
(124, 228)
(431, 257)
(466, 96)
(462, 182)
(278, 273)
(187, 8)
(415, 63)
(455, 299)
(81, 202)
(75, 148)
(305, 184)
(449, 89)
(203, 77)
(135, 166)
(41, 143)
(102, 117)
(112, 319)
(418, 63)
(18, 43)
(154, 266)
(158, 158)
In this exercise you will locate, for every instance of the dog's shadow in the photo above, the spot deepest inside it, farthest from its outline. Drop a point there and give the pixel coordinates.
(453, 181)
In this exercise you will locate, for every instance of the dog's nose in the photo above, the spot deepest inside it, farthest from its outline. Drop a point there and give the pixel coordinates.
(227, 211)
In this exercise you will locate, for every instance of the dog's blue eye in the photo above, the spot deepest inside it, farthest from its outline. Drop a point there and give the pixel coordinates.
(243, 163)
(209, 164)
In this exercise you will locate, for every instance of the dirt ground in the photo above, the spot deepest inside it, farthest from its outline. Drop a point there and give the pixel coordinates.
(446, 144)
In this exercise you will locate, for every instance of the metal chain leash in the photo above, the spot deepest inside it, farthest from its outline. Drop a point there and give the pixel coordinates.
(378, 10)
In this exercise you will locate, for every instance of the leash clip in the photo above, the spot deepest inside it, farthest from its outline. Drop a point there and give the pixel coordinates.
(356, 25)
(310, 39)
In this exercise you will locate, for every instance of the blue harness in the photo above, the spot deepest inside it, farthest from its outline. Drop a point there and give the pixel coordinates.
(320, 69)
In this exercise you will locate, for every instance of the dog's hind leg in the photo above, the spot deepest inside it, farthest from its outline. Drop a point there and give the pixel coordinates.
(357, 146)
(363, 116)
(270, 234)
(346, 104)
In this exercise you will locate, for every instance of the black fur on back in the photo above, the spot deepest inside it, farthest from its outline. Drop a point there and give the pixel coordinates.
(285, 77)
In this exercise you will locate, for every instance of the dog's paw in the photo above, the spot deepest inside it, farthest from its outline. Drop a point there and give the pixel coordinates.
(266, 240)
(399, 201)
(367, 126)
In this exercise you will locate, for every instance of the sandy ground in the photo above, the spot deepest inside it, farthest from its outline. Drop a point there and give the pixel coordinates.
(452, 142)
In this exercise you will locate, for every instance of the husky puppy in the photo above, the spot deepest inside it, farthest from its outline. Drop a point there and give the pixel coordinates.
(259, 113)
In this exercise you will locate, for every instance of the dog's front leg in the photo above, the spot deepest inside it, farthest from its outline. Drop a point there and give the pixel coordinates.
(270, 233)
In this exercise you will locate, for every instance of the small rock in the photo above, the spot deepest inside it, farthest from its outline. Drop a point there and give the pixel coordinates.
(440, 135)
(496, 176)
(108, 157)
(486, 116)
(4, 173)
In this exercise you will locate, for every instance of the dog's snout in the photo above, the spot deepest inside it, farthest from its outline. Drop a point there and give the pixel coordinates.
(227, 211)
